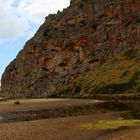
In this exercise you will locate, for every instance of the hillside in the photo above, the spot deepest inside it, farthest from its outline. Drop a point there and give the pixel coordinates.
(79, 39)
(118, 76)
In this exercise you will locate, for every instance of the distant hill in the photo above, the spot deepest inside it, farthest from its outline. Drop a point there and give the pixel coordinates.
(78, 40)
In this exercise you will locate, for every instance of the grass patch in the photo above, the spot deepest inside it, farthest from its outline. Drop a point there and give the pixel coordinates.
(119, 87)
(110, 124)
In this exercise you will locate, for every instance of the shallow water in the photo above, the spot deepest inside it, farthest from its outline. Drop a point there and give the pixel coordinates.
(132, 108)
(1, 117)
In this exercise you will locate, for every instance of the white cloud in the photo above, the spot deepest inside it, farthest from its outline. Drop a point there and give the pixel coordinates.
(37, 10)
(16, 15)
(10, 24)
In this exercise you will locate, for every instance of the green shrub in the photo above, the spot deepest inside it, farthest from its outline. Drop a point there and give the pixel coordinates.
(114, 61)
(125, 73)
(77, 89)
(131, 54)
(113, 88)
(137, 18)
(81, 5)
(135, 77)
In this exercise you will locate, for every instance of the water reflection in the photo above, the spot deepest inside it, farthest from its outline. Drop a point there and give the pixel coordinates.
(133, 108)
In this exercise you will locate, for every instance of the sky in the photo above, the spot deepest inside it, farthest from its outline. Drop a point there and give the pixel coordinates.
(19, 20)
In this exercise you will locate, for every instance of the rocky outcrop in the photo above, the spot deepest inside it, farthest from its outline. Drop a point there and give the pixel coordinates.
(77, 40)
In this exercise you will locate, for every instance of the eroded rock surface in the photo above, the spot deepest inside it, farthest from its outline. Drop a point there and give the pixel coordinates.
(79, 39)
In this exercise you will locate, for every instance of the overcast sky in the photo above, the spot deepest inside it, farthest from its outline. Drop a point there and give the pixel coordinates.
(19, 20)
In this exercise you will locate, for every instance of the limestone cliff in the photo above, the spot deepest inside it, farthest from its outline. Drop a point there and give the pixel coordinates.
(77, 40)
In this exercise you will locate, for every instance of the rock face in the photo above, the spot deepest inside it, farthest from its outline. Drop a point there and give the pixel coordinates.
(77, 40)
